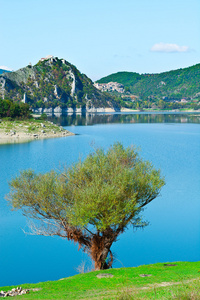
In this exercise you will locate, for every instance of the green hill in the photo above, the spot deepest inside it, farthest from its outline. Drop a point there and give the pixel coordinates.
(172, 85)
(53, 82)
(126, 78)
(178, 280)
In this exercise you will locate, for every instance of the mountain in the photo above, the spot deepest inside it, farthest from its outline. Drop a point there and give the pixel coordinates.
(4, 71)
(172, 85)
(53, 82)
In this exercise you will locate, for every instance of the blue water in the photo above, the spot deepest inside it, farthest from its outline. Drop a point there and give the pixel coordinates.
(174, 230)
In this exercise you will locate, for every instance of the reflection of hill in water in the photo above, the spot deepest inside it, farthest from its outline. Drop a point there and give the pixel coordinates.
(92, 119)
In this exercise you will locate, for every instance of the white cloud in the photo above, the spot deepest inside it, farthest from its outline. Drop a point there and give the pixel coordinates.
(169, 48)
(5, 68)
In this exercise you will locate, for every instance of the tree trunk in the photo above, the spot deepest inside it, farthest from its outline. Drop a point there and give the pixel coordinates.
(103, 259)
(99, 251)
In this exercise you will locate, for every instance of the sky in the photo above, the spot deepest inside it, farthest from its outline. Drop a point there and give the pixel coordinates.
(101, 37)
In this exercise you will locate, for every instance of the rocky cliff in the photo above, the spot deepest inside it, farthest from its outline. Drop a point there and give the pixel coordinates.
(53, 83)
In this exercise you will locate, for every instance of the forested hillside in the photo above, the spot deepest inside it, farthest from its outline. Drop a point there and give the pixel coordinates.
(172, 85)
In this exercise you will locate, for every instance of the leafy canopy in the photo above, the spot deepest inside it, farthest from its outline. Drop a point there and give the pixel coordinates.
(106, 190)
(92, 202)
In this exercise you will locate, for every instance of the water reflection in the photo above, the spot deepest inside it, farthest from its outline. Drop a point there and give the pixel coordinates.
(104, 118)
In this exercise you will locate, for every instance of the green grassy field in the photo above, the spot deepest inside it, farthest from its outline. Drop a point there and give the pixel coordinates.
(179, 281)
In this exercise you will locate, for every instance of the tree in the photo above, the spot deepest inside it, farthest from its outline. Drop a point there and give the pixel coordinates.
(12, 109)
(92, 202)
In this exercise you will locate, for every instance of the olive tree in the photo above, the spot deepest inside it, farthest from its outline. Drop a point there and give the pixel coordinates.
(92, 202)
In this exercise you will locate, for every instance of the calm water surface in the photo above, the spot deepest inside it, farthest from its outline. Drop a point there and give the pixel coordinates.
(170, 142)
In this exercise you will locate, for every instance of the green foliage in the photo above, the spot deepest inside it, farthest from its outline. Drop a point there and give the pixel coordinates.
(126, 78)
(43, 116)
(93, 201)
(103, 190)
(13, 110)
(110, 186)
(172, 85)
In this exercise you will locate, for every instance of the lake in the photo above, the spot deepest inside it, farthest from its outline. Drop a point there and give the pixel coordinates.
(170, 141)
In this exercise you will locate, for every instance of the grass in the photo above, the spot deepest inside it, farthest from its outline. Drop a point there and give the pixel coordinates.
(181, 281)
(29, 126)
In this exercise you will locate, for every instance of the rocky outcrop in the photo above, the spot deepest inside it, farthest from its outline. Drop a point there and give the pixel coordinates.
(53, 82)
(2, 87)
(22, 75)
(59, 110)
(73, 86)
(14, 292)
(17, 292)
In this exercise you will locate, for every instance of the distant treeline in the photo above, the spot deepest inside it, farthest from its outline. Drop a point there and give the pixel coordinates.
(13, 110)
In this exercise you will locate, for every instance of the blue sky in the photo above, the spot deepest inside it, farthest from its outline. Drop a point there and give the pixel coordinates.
(101, 37)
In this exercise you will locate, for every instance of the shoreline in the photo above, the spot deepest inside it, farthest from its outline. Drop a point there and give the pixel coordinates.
(13, 132)
(16, 131)
(160, 110)
(51, 111)
(21, 138)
